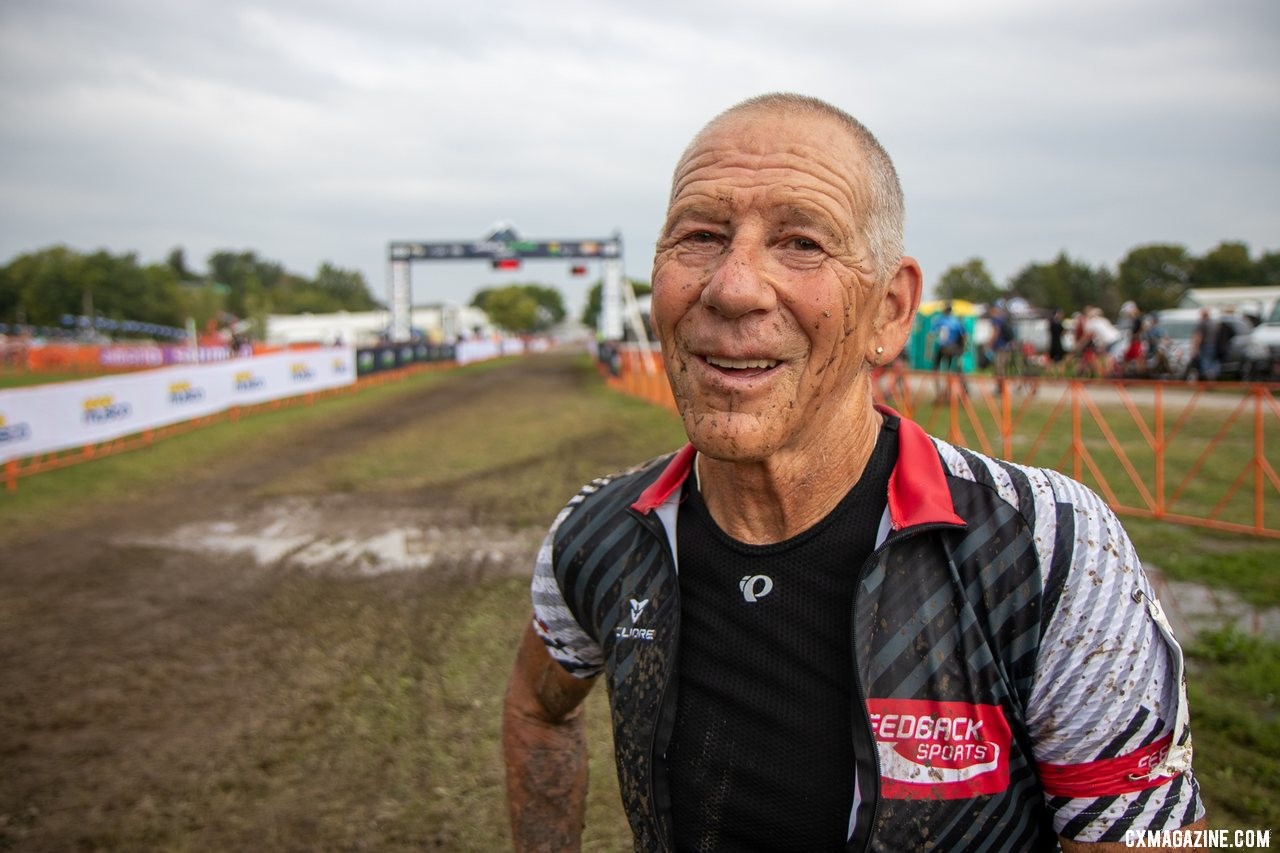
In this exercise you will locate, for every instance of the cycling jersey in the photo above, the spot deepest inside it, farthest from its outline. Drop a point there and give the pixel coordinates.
(1016, 676)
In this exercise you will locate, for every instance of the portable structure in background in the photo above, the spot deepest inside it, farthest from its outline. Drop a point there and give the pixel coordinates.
(505, 249)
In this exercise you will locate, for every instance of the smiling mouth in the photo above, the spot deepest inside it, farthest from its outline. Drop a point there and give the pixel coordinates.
(742, 366)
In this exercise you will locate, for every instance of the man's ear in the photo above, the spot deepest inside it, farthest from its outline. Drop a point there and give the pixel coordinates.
(896, 312)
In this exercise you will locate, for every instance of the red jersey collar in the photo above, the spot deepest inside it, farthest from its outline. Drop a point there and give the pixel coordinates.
(918, 492)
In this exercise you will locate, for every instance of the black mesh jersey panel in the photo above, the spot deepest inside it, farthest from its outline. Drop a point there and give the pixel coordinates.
(761, 757)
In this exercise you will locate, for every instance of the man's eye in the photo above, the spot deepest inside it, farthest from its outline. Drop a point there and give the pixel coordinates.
(702, 237)
(803, 244)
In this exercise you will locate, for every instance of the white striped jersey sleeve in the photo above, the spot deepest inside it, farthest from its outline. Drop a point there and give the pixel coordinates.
(1108, 712)
(565, 639)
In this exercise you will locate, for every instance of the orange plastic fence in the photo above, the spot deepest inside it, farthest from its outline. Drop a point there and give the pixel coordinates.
(1193, 454)
(641, 374)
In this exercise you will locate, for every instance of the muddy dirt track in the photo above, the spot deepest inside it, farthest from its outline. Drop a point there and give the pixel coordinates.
(205, 668)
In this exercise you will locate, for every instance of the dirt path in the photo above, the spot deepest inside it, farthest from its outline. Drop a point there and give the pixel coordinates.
(154, 655)
(205, 668)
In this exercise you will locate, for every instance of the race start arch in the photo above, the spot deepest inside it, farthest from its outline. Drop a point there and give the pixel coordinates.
(503, 247)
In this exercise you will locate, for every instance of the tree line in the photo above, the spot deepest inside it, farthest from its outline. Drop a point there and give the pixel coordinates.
(521, 308)
(43, 288)
(1154, 276)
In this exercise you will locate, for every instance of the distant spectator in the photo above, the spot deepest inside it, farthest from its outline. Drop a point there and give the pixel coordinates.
(1131, 326)
(1095, 347)
(1156, 344)
(1003, 338)
(1204, 349)
(1057, 351)
(1085, 349)
(948, 344)
(948, 340)
(1225, 332)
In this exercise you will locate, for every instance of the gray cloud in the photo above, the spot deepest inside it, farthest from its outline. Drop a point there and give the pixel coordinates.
(318, 131)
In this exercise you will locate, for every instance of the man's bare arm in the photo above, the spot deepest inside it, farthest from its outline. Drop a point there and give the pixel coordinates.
(1069, 846)
(545, 750)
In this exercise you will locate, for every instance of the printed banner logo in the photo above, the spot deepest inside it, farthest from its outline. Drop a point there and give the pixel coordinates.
(104, 409)
(184, 392)
(940, 750)
(13, 433)
(247, 380)
(300, 372)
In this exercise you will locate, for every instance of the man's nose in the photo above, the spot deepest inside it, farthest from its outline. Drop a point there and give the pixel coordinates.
(740, 284)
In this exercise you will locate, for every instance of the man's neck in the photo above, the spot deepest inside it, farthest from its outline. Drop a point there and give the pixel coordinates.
(780, 497)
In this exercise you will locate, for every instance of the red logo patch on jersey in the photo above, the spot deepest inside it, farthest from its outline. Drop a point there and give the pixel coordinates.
(939, 750)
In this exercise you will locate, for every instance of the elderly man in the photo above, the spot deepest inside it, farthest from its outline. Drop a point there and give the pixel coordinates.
(875, 640)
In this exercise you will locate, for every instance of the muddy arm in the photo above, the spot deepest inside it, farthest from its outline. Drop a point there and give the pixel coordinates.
(545, 750)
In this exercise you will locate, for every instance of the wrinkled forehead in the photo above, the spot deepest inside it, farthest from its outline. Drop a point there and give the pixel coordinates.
(775, 142)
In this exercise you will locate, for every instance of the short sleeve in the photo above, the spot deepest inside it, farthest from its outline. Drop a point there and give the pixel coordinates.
(571, 646)
(1108, 712)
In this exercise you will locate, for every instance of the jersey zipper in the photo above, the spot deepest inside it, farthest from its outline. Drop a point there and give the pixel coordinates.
(862, 728)
(862, 734)
(666, 716)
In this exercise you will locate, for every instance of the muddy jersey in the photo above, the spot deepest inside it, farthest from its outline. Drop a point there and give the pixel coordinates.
(1015, 678)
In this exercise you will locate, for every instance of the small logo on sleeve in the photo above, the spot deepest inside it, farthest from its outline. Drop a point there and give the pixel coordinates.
(631, 632)
(1108, 777)
(637, 607)
(940, 750)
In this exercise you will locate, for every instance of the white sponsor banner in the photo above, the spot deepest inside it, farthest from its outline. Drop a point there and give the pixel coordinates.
(55, 417)
(466, 352)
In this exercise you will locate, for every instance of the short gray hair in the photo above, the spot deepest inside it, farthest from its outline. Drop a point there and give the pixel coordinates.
(885, 212)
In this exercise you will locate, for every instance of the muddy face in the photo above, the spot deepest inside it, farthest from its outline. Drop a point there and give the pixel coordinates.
(764, 291)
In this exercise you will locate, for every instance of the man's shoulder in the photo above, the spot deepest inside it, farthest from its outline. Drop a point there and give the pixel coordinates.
(966, 465)
(981, 480)
(1062, 514)
(617, 491)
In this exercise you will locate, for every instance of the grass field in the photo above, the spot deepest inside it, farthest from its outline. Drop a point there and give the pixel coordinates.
(160, 700)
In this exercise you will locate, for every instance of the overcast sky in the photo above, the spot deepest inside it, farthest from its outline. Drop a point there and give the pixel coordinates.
(319, 131)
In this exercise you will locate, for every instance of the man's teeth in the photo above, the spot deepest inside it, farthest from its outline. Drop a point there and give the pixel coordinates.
(741, 363)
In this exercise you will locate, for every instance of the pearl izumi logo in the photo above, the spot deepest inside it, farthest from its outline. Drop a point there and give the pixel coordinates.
(631, 632)
(755, 587)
